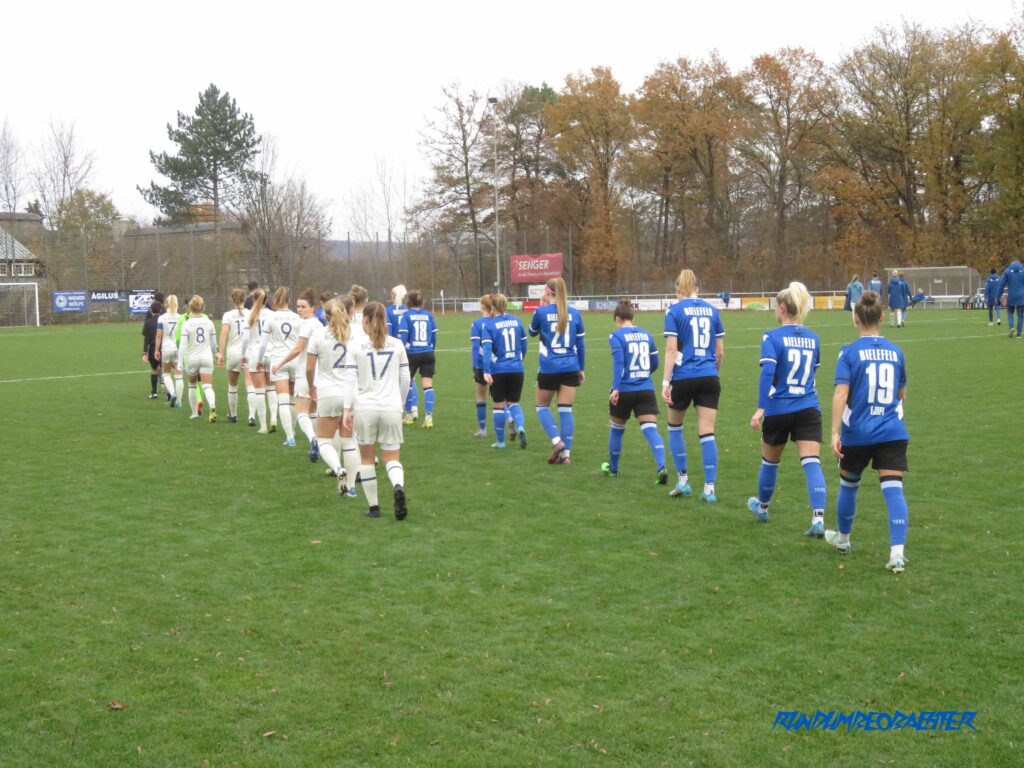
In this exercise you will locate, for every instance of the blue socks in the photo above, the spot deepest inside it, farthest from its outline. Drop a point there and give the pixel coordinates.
(516, 412)
(815, 484)
(615, 434)
(650, 431)
(846, 504)
(413, 397)
(677, 447)
(709, 450)
(481, 415)
(892, 490)
(547, 421)
(766, 481)
(568, 424)
(499, 425)
(428, 399)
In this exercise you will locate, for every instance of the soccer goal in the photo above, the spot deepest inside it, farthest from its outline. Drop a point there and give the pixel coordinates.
(944, 286)
(19, 304)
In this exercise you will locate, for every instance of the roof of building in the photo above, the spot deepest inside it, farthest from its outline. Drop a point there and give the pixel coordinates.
(14, 216)
(12, 250)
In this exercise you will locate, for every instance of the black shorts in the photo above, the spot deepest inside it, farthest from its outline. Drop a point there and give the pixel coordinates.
(423, 363)
(703, 391)
(891, 455)
(799, 425)
(478, 376)
(555, 381)
(151, 358)
(507, 387)
(638, 402)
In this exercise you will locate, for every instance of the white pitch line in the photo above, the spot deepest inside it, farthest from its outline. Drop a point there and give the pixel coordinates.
(72, 376)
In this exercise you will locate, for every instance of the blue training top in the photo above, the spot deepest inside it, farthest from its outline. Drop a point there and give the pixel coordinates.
(558, 352)
(1013, 281)
(696, 324)
(634, 359)
(475, 336)
(417, 330)
(875, 371)
(993, 289)
(897, 294)
(503, 345)
(790, 356)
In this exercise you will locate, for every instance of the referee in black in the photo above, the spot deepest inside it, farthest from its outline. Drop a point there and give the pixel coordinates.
(149, 346)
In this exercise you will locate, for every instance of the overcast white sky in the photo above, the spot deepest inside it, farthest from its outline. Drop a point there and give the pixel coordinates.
(339, 84)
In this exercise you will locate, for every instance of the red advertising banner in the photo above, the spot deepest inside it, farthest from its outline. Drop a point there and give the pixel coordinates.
(531, 268)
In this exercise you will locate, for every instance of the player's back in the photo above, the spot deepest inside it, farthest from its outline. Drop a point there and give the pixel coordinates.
(235, 320)
(332, 360)
(796, 352)
(168, 323)
(504, 338)
(200, 334)
(556, 350)
(378, 375)
(284, 330)
(638, 353)
(875, 371)
(418, 330)
(696, 325)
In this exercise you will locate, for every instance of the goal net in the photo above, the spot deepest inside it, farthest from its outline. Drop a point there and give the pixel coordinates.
(19, 304)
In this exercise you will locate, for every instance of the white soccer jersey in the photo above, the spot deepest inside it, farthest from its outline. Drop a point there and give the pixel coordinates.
(198, 338)
(167, 322)
(309, 329)
(280, 334)
(380, 379)
(266, 316)
(236, 320)
(332, 359)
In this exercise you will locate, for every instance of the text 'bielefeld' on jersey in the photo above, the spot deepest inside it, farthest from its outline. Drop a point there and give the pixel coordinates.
(634, 359)
(790, 356)
(558, 352)
(503, 345)
(696, 325)
(875, 371)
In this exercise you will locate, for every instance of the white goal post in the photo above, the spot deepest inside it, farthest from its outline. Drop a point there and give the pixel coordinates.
(15, 300)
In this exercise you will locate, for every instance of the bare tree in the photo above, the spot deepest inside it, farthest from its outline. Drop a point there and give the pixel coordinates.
(12, 179)
(64, 170)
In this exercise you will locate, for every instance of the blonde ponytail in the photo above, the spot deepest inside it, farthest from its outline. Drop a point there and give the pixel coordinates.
(796, 300)
(557, 287)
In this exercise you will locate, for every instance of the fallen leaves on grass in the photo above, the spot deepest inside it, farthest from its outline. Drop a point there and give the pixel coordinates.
(116, 706)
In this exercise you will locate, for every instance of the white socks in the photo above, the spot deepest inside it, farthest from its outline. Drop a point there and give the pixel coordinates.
(208, 394)
(232, 400)
(306, 425)
(169, 383)
(250, 401)
(330, 457)
(284, 405)
(396, 474)
(259, 397)
(193, 401)
(272, 405)
(368, 478)
(350, 457)
(179, 387)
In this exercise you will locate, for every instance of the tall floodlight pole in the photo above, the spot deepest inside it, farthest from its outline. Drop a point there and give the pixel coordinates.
(493, 101)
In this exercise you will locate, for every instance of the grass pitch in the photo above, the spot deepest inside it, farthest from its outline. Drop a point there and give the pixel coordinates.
(179, 594)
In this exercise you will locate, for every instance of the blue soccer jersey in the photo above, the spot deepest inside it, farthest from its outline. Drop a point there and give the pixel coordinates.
(634, 359)
(790, 356)
(394, 314)
(475, 337)
(875, 371)
(417, 330)
(558, 352)
(696, 325)
(503, 345)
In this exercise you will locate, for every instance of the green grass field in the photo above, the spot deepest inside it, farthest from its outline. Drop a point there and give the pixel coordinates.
(214, 583)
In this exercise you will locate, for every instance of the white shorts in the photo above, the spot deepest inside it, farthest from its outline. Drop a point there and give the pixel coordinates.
(196, 366)
(330, 407)
(372, 427)
(233, 361)
(169, 354)
(290, 372)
